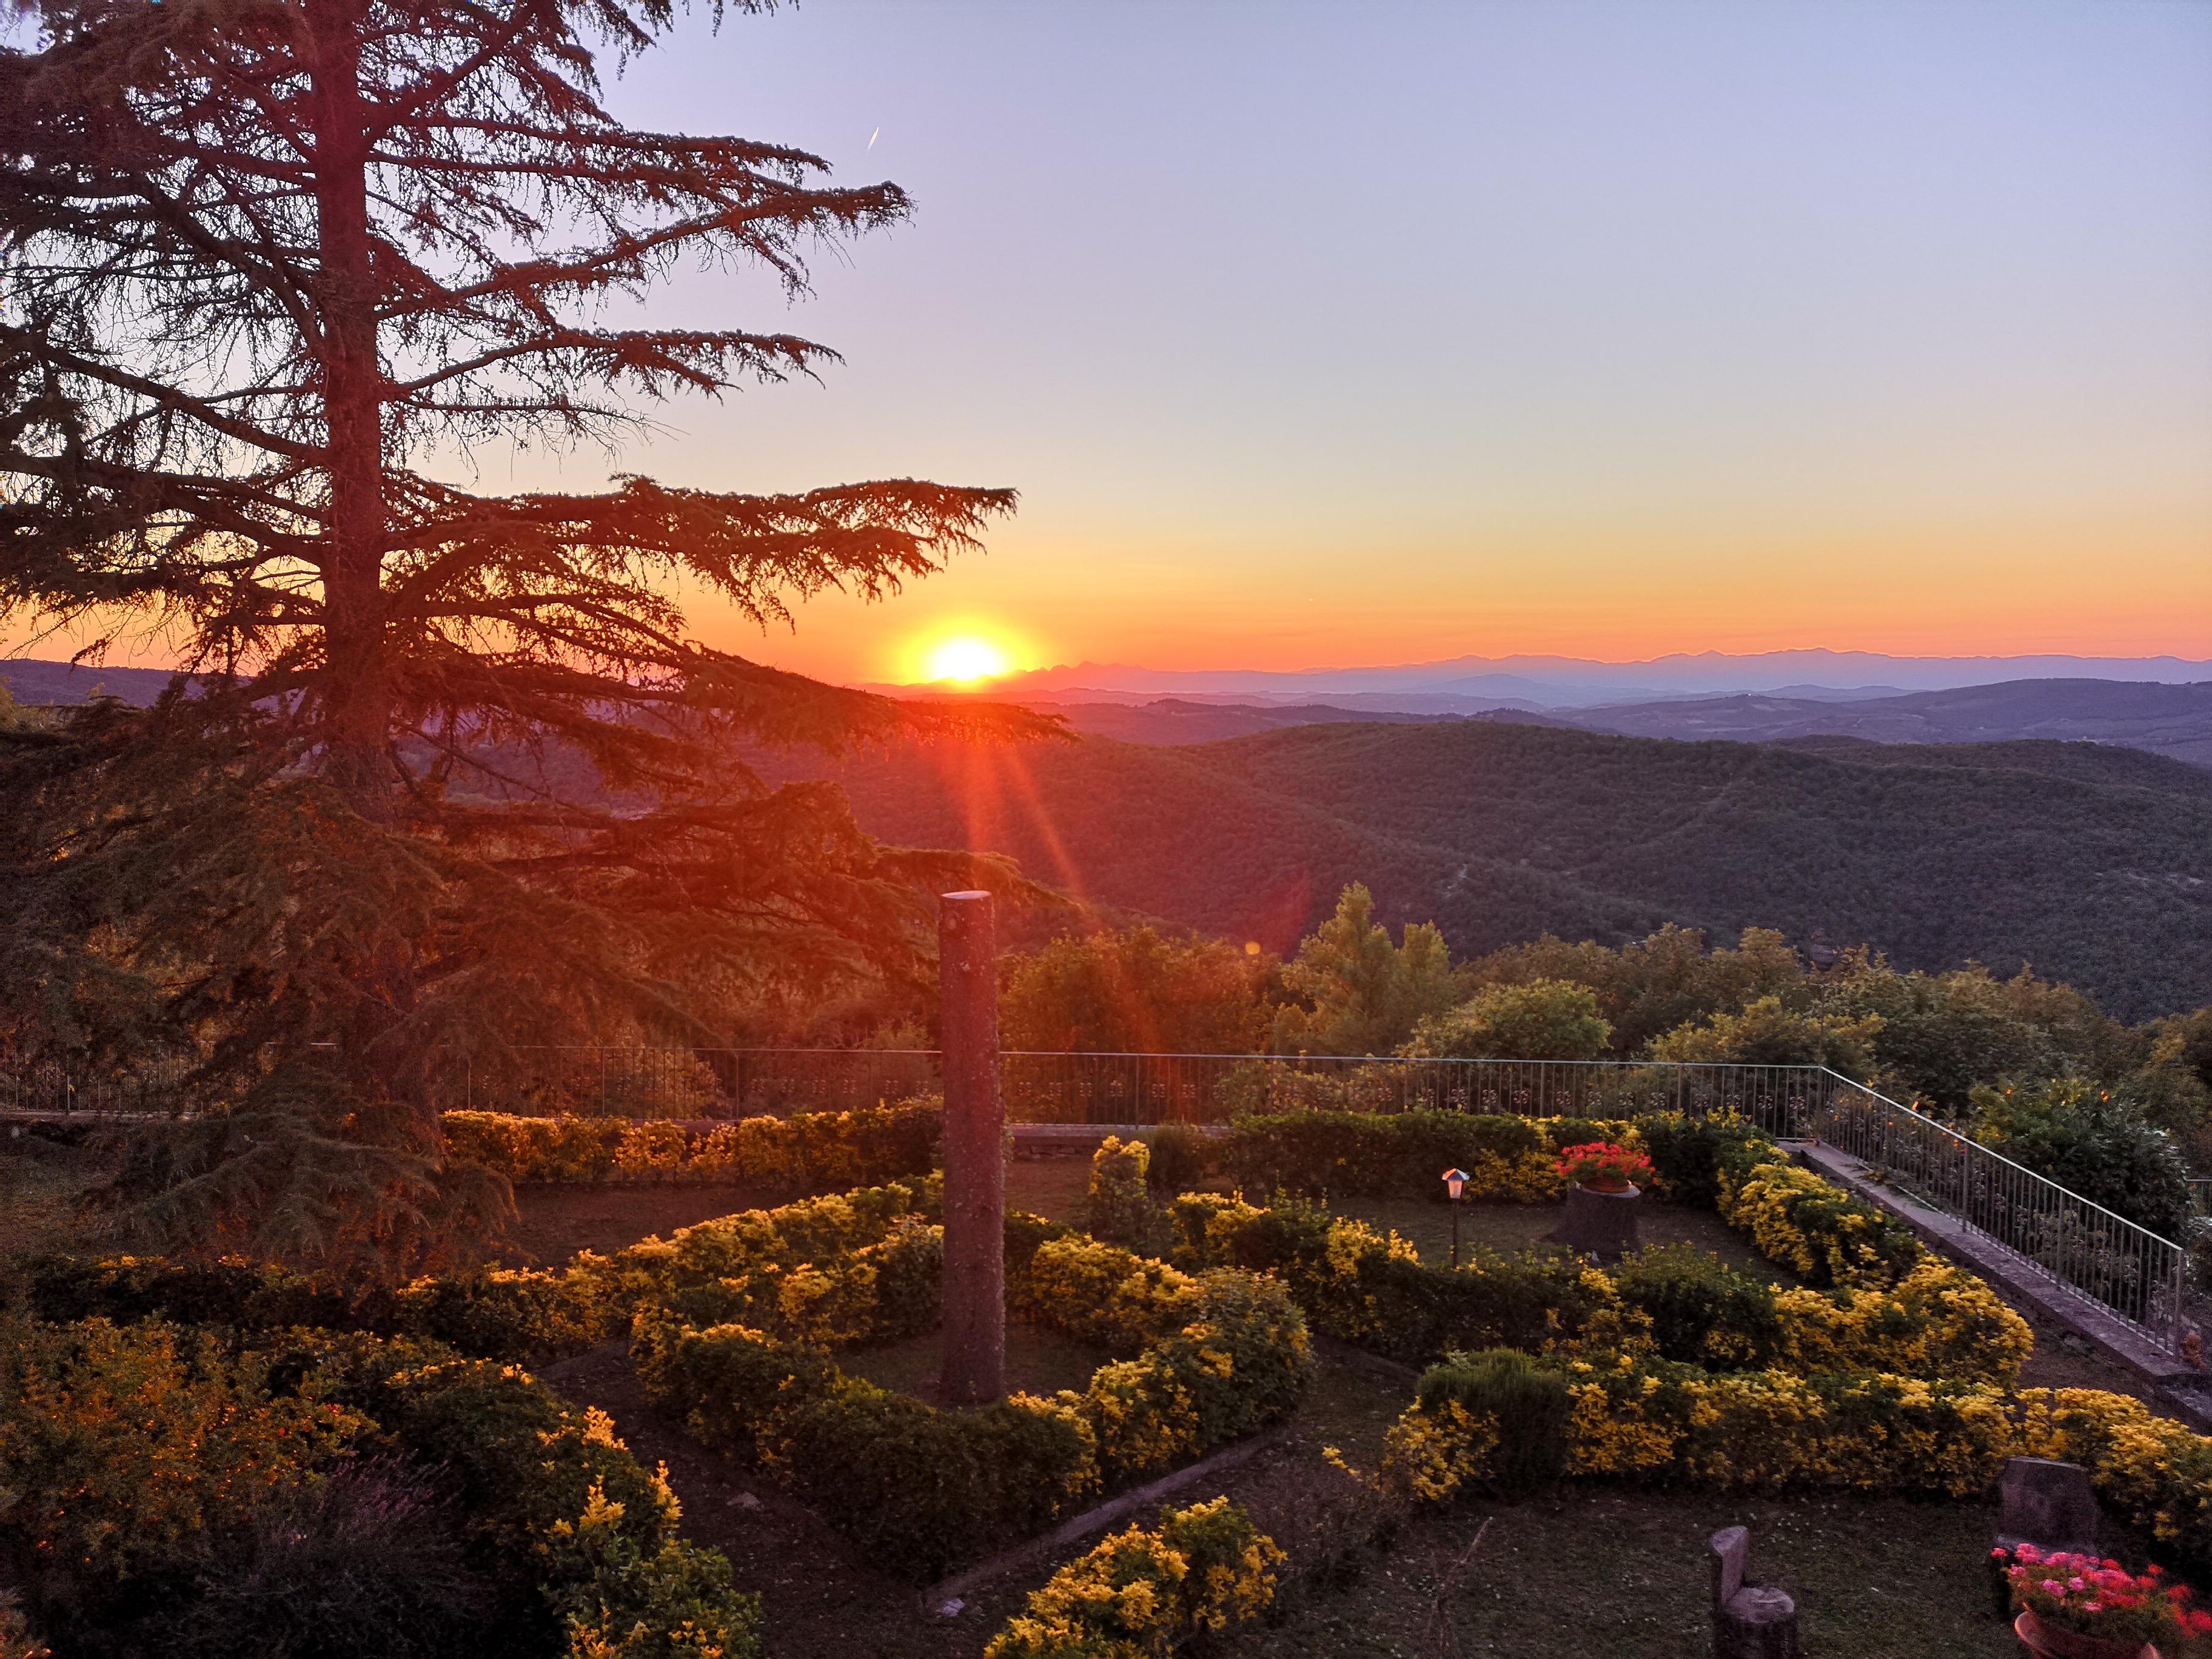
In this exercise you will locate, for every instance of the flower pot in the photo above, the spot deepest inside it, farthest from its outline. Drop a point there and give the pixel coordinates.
(1606, 1184)
(2049, 1642)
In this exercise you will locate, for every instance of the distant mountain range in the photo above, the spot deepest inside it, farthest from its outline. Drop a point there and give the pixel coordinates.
(2092, 863)
(1974, 836)
(1470, 684)
(2173, 721)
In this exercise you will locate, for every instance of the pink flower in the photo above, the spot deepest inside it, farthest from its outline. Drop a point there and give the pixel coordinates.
(2052, 1587)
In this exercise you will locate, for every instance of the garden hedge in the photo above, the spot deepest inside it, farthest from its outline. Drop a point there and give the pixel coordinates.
(149, 1460)
(527, 1316)
(1363, 1287)
(737, 1321)
(1890, 1370)
(1648, 1420)
(1203, 1570)
(808, 1150)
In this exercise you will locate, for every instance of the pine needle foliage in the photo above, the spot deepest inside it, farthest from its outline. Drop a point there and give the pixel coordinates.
(450, 777)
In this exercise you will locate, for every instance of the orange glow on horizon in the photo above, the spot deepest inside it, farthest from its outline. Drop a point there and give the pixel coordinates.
(966, 653)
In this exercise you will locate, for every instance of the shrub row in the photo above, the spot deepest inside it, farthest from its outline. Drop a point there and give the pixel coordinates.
(1811, 1225)
(1473, 1422)
(808, 1150)
(738, 1318)
(522, 1316)
(1404, 1154)
(1203, 1570)
(1677, 1303)
(172, 1486)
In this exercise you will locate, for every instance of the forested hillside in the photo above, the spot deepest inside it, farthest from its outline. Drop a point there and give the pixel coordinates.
(2172, 721)
(2096, 867)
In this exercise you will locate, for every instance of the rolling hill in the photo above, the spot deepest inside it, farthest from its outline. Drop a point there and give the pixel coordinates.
(2094, 865)
(2174, 720)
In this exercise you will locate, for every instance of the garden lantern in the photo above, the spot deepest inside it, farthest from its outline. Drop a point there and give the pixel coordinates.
(1454, 1184)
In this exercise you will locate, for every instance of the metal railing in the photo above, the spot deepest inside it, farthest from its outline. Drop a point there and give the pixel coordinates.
(1122, 1088)
(48, 1087)
(2137, 1276)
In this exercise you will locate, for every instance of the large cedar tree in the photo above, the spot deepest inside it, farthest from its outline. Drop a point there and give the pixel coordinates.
(450, 778)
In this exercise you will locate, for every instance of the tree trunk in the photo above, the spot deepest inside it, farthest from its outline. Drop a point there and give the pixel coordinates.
(975, 1281)
(358, 694)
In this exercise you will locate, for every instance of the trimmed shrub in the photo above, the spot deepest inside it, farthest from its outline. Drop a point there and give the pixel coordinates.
(1183, 1155)
(1700, 1311)
(1526, 1402)
(817, 1150)
(1403, 1154)
(492, 1313)
(1686, 1152)
(1811, 1225)
(1207, 1568)
(122, 1444)
(1118, 1206)
(1673, 1425)
(1211, 1357)
(1654, 1421)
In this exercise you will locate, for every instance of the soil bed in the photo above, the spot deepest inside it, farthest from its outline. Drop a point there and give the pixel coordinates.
(1512, 1227)
(1038, 1361)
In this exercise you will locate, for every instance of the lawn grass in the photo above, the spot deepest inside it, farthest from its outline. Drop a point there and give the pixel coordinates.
(1038, 1361)
(1511, 1227)
(1592, 1570)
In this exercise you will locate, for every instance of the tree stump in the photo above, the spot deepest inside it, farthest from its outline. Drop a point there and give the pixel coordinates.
(1750, 1620)
(974, 1291)
(1603, 1224)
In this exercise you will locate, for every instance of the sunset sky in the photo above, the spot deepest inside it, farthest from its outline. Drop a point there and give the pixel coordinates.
(1322, 334)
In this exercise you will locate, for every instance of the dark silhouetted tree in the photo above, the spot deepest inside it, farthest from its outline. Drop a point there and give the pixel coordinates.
(454, 779)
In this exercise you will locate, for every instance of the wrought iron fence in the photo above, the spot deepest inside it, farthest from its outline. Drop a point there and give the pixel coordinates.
(1121, 1088)
(150, 1086)
(2138, 1277)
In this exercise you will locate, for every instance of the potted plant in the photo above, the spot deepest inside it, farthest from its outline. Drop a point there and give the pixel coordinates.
(2077, 1607)
(1602, 1167)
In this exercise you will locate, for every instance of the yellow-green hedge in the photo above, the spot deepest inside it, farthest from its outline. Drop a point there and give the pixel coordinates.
(736, 1319)
(1204, 1569)
(1674, 1425)
(1359, 1285)
(788, 1154)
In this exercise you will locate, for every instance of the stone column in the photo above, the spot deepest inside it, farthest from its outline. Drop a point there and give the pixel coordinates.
(975, 1155)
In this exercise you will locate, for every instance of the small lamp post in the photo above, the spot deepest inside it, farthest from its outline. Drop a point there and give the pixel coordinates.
(1454, 1184)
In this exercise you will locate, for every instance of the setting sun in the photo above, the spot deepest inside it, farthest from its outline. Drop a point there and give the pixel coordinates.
(966, 659)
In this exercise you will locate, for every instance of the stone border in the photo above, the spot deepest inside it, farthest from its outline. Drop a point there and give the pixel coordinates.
(2186, 1392)
(1070, 1532)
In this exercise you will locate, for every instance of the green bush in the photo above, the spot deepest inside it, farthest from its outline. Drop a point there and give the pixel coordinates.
(2074, 1134)
(1526, 1398)
(1685, 1153)
(1540, 1020)
(1118, 1205)
(367, 1564)
(1211, 1357)
(1182, 1156)
(179, 1488)
(490, 1312)
(1354, 1286)
(817, 1151)
(1691, 1297)
(1367, 1154)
